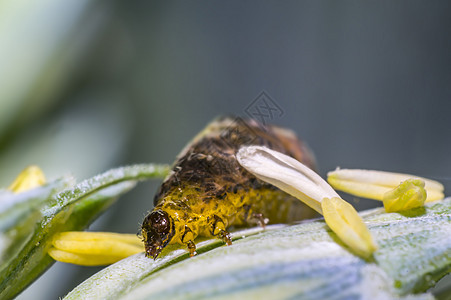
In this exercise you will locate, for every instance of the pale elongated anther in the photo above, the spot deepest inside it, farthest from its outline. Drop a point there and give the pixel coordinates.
(375, 184)
(298, 180)
(93, 248)
(31, 177)
(287, 173)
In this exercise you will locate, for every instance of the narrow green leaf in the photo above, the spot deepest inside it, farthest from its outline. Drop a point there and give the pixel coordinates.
(72, 209)
(304, 261)
(19, 214)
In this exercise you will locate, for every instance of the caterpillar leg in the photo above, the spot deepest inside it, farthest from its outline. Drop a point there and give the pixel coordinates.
(254, 218)
(219, 230)
(225, 237)
(187, 238)
(191, 248)
(259, 219)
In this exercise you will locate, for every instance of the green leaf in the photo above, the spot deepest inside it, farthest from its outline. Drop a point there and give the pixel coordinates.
(304, 261)
(19, 214)
(72, 209)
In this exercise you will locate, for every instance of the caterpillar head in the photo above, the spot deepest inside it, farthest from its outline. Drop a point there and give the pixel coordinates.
(157, 230)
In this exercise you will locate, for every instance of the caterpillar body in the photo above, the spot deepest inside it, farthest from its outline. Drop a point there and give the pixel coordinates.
(207, 190)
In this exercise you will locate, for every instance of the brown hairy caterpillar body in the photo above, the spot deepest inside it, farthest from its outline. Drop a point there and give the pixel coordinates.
(207, 190)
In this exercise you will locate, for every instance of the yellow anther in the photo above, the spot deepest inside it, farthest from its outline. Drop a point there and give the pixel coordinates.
(82, 259)
(94, 248)
(375, 184)
(29, 178)
(344, 220)
(409, 194)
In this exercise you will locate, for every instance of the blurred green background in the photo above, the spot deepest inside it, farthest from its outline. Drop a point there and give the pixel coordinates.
(90, 85)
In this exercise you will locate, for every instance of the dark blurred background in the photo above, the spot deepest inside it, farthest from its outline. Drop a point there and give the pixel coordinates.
(86, 86)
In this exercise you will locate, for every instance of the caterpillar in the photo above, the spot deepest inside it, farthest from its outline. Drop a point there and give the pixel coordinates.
(207, 191)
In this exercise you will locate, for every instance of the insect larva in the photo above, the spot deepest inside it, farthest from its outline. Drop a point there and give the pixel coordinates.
(207, 190)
